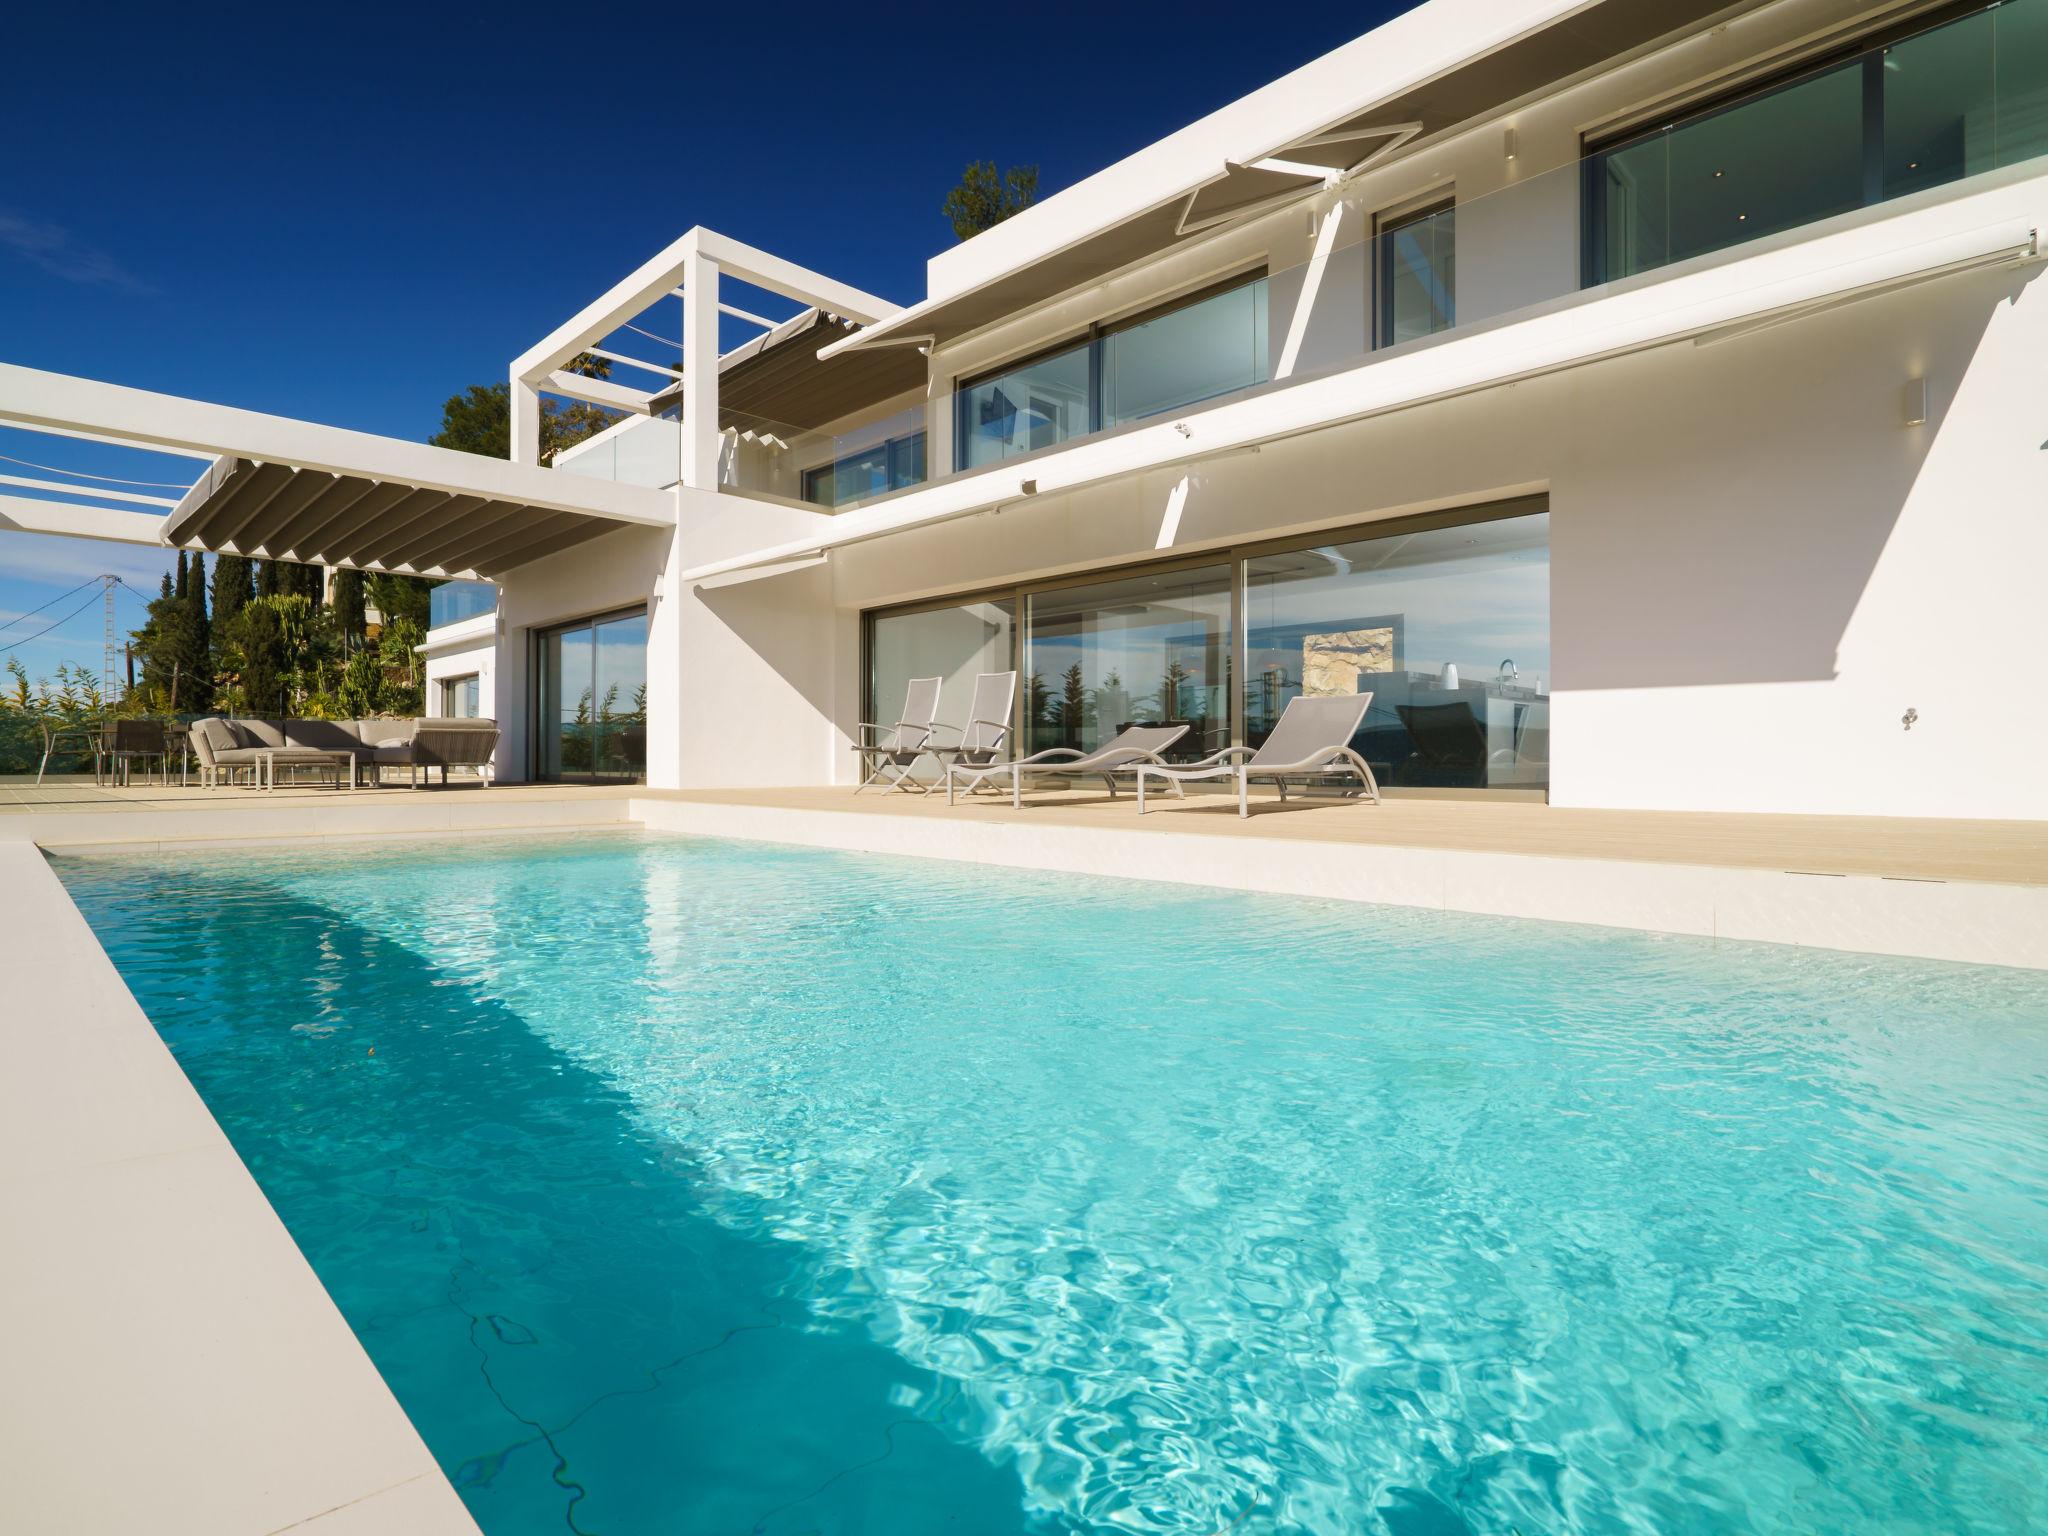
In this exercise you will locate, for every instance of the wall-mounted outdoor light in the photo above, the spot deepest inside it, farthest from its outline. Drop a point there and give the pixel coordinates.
(1913, 401)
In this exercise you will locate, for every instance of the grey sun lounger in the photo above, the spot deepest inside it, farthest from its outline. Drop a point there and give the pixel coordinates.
(1128, 748)
(887, 752)
(1312, 738)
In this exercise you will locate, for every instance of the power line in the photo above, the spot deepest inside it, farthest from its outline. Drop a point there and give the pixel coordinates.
(74, 613)
(53, 602)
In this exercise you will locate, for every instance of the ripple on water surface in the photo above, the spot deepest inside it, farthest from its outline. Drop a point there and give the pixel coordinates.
(680, 1185)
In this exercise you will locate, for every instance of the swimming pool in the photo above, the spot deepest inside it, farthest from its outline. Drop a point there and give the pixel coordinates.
(680, 1185)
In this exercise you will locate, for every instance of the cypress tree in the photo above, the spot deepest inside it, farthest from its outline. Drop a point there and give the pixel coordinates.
(199, 640)
(232, 587)
(267, 579)
(349, 608)
(178, 588)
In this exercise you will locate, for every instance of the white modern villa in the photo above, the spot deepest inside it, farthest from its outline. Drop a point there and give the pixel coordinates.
(1640, 399)
(1643, 402)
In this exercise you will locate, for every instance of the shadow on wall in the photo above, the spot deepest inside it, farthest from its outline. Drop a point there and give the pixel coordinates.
(777, 638)
(1726, 506)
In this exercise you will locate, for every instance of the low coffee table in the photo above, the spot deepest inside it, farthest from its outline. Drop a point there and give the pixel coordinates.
(343, 764)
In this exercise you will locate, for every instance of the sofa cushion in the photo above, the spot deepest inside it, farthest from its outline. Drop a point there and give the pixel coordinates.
(326, 735)
(257, 733)
(385, 731)
(211, 737)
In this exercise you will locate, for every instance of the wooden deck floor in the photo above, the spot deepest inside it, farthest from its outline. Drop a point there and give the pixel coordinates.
(1997, 851)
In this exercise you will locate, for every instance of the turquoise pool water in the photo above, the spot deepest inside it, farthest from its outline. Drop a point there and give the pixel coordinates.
(690, 1186)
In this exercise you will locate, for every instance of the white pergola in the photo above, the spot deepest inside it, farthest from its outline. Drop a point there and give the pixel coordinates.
(689, 269)
(284, 489)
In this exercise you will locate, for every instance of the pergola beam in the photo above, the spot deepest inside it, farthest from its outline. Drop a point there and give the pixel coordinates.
(61, 402)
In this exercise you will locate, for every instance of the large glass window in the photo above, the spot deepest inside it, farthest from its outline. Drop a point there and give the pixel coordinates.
(1199, 349)
(1418, 274)
(1447, 628)
(1912, 113)
(592, 700)
(1148, 649)
(1035, 405)
(954, 644)
(461, 697)
(888, 466)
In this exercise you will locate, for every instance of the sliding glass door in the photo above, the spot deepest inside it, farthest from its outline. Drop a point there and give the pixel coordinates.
(1149, 649)
(591, 703)
(1447, 628)
(1445, 622)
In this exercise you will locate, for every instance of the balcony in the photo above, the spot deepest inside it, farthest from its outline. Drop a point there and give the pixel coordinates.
(1903, 115)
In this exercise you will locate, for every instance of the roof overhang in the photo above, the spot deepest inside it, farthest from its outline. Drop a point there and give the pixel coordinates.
(286, 489)
(1874, 252)
(1397, 87)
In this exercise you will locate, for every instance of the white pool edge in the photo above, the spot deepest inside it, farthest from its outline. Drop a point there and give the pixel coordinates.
(171, 1363)
(1970, 922)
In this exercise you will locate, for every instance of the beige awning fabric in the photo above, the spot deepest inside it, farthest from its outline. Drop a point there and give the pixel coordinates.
(1588, 38)
(778, 377)
(310, 515)
(1582, 41)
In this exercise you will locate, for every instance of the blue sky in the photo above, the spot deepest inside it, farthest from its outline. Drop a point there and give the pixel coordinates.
(349, 216)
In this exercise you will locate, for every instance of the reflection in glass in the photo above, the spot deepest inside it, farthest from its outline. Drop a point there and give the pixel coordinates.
(619, 698)
(1946, 103)
(461, 697)
(1196, 352)
(1140, 650)
(953, 644)
(1205, 348)
(1032, 406)
(1773, 163)
(1418, 258)
(889, 466)
(593, 700)
(1448, 628)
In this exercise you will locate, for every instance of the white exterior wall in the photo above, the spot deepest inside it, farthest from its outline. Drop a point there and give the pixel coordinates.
(447, 658)
(1756, 567)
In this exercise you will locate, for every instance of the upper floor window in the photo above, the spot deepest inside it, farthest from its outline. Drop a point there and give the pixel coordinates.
(1893, 117)
(888, 466)
(1418, 273)
(1197, 348)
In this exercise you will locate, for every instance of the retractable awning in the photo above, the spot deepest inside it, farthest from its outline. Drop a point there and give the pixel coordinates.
(281, 512)
(779, 377)
(1234, 184)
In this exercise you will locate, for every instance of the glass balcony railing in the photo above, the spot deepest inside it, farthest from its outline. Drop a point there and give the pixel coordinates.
(645, 451)
(454, 601)
(1414, 265)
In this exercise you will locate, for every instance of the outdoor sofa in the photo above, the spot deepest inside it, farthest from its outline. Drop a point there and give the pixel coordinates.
(366, 747)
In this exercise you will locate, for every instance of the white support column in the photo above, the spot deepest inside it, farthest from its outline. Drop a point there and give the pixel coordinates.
(700, 372)
(525, 422)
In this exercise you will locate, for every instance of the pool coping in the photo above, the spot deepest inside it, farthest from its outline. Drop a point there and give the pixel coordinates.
(172, 1363)
(1963, 921)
